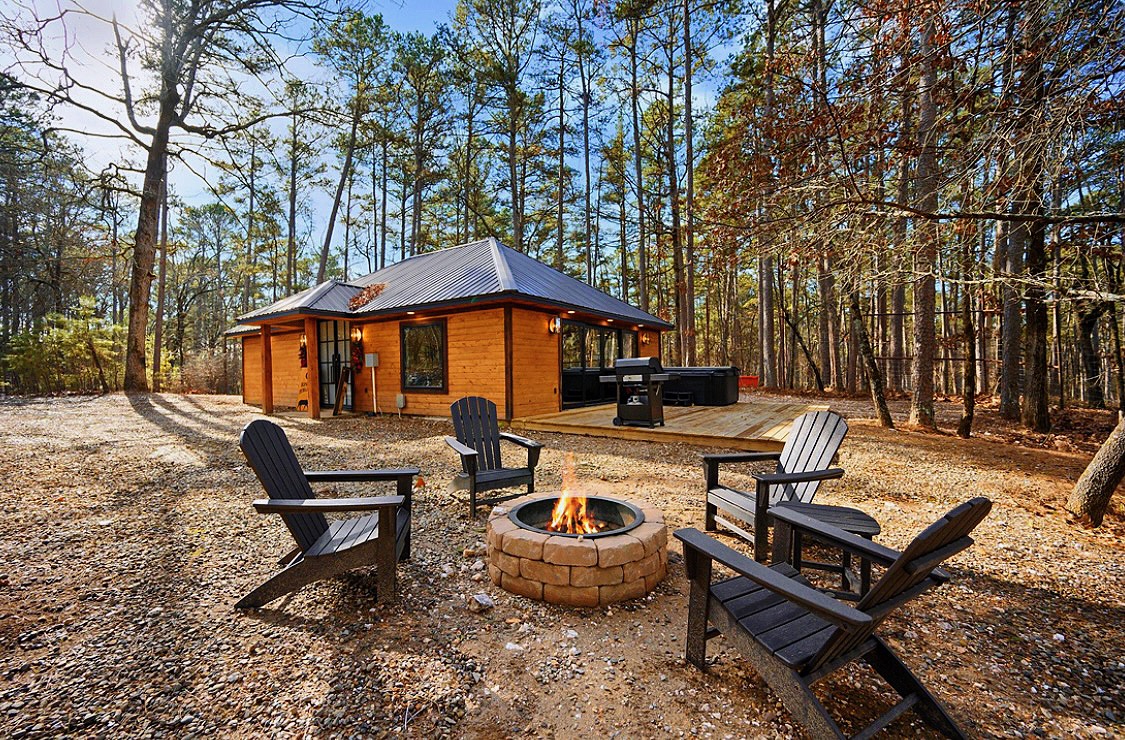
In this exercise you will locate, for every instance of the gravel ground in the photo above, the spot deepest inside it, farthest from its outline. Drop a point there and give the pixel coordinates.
(126, 534)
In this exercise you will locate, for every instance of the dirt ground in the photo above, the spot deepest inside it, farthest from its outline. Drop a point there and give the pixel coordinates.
(126, 534)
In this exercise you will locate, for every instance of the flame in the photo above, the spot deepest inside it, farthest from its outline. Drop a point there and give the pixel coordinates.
(569, 515)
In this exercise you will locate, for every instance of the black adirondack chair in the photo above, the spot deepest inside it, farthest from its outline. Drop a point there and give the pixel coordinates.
(324, 548)
(801, 465)
(795, 635)
(478, 443)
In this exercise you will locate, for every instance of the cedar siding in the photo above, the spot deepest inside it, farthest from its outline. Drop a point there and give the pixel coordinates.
(535, 364)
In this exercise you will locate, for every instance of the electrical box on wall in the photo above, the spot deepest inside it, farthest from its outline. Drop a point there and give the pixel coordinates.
(400, 401)
(371, 359)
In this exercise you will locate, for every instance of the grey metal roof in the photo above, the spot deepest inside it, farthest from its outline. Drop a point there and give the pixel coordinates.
(456, 276)
(329, 298)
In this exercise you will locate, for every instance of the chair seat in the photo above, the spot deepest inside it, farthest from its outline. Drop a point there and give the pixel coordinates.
(501, 475)
(787, 630)
(841, 517)
(348, 533)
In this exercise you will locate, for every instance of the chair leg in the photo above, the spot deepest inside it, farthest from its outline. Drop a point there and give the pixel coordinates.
(894, 671)
(300, 573)
(709, 517)
(472, 498)
(799, 699)
(531, 485)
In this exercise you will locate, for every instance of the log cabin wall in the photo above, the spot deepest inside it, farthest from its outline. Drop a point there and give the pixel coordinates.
(535, 364)
(287, 370)
(474, 363)
(252, 370)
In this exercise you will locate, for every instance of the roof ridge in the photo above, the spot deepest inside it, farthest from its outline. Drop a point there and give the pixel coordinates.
(503, 271)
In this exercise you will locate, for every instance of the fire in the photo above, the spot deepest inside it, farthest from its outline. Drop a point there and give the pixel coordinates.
(569, 515)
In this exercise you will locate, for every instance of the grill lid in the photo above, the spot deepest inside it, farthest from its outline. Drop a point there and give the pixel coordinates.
(637, 365)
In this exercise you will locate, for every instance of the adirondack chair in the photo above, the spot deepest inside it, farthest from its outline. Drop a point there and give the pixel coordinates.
(325, 549)
(801, 465)
(795, 635)
(478, 443)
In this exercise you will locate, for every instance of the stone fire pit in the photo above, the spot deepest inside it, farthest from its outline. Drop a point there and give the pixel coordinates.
(594, 570)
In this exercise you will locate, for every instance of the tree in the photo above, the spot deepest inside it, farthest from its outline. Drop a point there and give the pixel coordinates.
(1090, 497)
(506, 33)
(191, 54)
(354, 47)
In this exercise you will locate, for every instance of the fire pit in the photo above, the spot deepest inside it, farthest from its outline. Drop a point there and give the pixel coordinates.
(577, 550)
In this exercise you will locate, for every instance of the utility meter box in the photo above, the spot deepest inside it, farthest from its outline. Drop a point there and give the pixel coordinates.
(400, 401)
(371, 359)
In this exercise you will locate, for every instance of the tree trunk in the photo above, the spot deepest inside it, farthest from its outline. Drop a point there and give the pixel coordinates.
(560, 216)
(638, 173)
(322, 269)
(969, 382)
(922, 402)
(291, 240)
(871, 367)
(144, 245)
(1090, 497)
(689, 194)
(158, 323)
(1088, 317)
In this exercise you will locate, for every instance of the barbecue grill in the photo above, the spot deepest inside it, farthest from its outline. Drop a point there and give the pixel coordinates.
(640, 391)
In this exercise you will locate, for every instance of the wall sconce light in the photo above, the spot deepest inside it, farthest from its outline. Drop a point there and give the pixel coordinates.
(304, 342)
(554, 325)
(357, 334)
(303, 351)
(646, 338)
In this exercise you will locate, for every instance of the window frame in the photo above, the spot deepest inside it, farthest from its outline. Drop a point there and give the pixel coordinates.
(403, 327)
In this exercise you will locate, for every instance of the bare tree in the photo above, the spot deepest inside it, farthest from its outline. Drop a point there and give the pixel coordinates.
(177, 69)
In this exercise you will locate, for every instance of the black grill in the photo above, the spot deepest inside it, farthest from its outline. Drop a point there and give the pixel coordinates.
(640, 391)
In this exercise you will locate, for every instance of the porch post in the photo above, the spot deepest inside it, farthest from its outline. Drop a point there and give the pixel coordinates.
(312, 348)
(267, 370)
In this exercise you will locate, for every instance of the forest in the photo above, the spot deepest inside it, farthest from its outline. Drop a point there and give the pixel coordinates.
(833, 195)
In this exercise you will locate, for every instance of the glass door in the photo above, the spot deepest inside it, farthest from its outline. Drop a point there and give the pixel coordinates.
(334, 351)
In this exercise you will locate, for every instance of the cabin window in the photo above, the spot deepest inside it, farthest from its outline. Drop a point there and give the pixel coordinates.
(424, 356)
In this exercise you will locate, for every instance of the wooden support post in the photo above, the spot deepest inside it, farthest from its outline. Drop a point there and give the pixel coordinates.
(267, 370)
(312, 347)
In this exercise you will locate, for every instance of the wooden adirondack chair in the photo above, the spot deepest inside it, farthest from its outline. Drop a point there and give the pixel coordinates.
(478, 443)
(801, 465)
(795, 635)
(324, 548)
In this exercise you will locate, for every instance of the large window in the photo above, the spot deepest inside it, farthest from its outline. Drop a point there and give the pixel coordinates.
(424, 356)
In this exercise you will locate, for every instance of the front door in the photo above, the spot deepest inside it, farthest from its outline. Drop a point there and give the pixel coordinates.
(334, 351)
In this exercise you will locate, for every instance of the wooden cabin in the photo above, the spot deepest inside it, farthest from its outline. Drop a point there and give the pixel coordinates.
(477, 319)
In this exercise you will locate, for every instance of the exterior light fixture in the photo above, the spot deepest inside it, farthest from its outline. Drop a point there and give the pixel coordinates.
(646, 338)
(554, 325)
(409, 313)
(570, 312)
(357, 334)
(304, 341)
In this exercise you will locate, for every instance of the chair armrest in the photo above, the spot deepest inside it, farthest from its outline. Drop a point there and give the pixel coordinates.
(461, 449)
(322, 505)
(521, 441)
(742, 457)
(794, 591)
(835, 536)
(340, 476)
(468, 455)
(773, 479)
(711, 463)
(531, 445)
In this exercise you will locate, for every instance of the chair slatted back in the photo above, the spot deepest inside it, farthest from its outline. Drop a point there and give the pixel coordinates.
(475, 425)
(811, 445)
(908, 574)
(272, 459)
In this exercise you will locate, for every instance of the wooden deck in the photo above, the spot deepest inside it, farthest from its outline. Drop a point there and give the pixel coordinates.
(754, 425)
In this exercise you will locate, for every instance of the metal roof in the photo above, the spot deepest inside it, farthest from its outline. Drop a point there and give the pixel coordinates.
(455, 276)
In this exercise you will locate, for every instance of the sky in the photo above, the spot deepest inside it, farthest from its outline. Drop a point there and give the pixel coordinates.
(88, 47)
